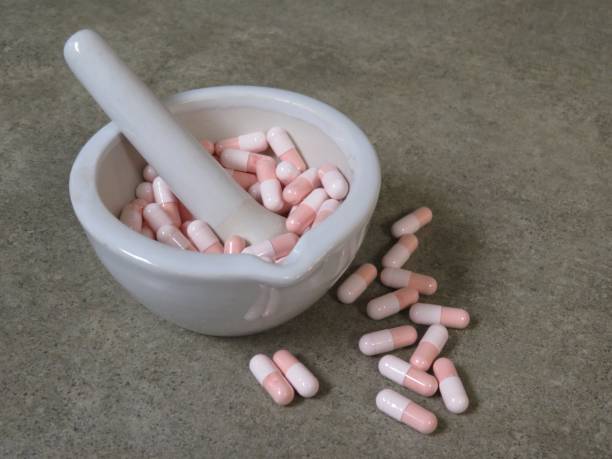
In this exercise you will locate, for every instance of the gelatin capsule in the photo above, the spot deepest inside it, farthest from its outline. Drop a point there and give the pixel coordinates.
(286, 172)
(392, 303)
(166, 199)
(399, 254)
(300, 377)
(234, 245)
(399, 278)
(302, 217)
(453, 393)
(412, 222)
(387, 340)
(299, 188)
(156, 217)
(131, 216)
(333, 181)
(203, 237)
(356, 283)
(429, 314)
(326, 209)
(253, 141)
(275, 248)
(269, 376)
(406, 411)
(429, 347)
(401, 372)
(148, 173)
(283, 147)
(240, 160)
(270, 187)
(145, 191)
(172, 236)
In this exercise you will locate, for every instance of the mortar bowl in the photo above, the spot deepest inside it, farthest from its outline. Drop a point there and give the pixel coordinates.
(228, 295)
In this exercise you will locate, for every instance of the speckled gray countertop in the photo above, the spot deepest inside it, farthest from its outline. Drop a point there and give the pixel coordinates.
(494, 114)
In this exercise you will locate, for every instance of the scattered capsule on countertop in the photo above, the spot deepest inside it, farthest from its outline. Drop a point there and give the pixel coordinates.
(283, 147)
(356, 283)
(387, 340)
(392, 303)
(399, 254)
(333, 181)
(131, 216)
(275, 248)
(412, 222)
(145, 191)
(234, 245)
(269, 376)
(399, 278)
(156, 216)
(255, 191)
(401, 372)
(451, 388)
(172, 236)
(286, 172)
(253, 141)
(240, 160)
(299, 188)
(203, 237)
(302, 217)
(244, 179)
(208, 146)
(429, 314)
(326, 209)
(148, 173)
(406, 411)
(271, 194)
(429, 347)
(300, 377)
(166, 199)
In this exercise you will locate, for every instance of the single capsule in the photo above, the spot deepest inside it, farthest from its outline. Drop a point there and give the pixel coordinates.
(156, 217)
(429, 314)
(302, 217)
(401, 372)
(255, 191)
(184, 212)
(412, 222)
(300, 377)
(398, 278)
(271, 379)
(387, 340)
(299, 188)
(269, 185)
(283, 147)
(240, 160)
(131, 216)
(275, 248)
(204, 237)
(172, 236)
(234, 245)
(253, 141)
(452, 390)
(406, 411)
(148, 173)
(392, 303)
(356, 283)
(208, 146)
(333, 181)
(145, 191)
(399, 254)
(166, 199)
(326, 209)
(244, 179)
(429, 347)
(147, 231)
(286, 172)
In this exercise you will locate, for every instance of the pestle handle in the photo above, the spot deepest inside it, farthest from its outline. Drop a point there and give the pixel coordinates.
(194, 175)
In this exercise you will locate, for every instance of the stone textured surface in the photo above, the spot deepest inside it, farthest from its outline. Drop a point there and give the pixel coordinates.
(495, 114)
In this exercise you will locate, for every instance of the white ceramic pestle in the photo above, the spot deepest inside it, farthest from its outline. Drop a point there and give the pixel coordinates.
(193, 174)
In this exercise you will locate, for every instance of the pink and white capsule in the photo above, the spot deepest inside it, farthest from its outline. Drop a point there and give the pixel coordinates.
(399, 254)
(255, 191)
(145, 191)
(156, 217)
(275, 248)
(387, 340)
(429, 347)
(398, 278)
(244, 179)
(392, 303)
(208, 146)
(299, 188)
(131, 215)
(204, 237)
(406, 411)
(172, 236)
(284, 148)
(271, 379)
(401, 372)
(453, 393)
(166, 199)
(148, 173)
(429, 314)
(269, 185)
(240, 160)
(253, 141)
(234, 245)
(286, 172)
(326, 209)
(356, 283)
(300, 377)
(302, 217)
(412, 222)
(333, 181)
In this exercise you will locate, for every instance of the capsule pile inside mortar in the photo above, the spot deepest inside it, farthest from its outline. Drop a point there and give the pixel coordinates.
(267, 165)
